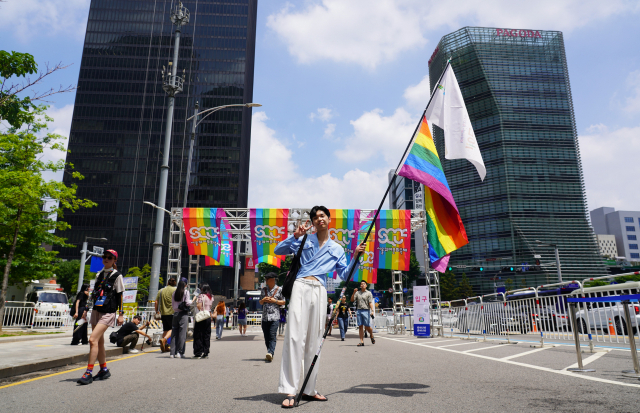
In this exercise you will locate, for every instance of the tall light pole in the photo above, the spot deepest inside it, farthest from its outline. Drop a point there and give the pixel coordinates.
(172, 84)
(555, 247)
(194, 125)
(83, 258)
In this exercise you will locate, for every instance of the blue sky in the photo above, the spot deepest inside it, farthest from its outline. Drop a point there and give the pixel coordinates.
(342, 84)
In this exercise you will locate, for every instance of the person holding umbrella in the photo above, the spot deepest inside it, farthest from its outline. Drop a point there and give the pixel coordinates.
(308, 303)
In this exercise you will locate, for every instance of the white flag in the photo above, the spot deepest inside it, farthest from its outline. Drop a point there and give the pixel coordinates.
(447, 110)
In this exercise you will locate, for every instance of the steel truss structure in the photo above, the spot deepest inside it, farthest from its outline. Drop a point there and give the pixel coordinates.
(239, 229)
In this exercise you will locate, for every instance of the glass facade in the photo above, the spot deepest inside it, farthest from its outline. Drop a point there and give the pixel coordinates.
(117, 131)
(516, 88)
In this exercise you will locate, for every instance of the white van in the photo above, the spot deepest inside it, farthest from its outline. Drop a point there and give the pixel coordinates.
(600, 316)
(51, 304)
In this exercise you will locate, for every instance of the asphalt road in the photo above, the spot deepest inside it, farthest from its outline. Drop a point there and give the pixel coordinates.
(398, 373)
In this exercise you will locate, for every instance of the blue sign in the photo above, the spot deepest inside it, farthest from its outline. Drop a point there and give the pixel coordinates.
(404, 290)
(376, 299)
(96, 264)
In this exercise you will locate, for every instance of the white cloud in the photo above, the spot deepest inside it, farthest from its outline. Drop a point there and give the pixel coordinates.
(274, 181)
(607, 162)
(36, 18)
(328, 131)
(324, 114)
(376, 135)
(368, 33)
(632, 104)
(417, 96)
(355, 31)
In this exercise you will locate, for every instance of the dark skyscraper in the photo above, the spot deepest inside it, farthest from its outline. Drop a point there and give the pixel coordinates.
(516, 88)
(120, 112)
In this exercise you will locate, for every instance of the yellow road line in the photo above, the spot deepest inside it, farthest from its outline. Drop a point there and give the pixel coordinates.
(69, 371)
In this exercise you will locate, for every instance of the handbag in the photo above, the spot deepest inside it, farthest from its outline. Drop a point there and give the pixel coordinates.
(287, 287)
(202, 315)
(157, 316)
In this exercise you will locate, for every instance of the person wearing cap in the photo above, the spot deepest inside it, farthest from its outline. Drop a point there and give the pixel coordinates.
(271, 299)
(109, 286)
(308, 303)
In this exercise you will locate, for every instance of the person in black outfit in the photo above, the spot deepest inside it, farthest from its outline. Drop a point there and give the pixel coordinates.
(79, 312)
(127, 336)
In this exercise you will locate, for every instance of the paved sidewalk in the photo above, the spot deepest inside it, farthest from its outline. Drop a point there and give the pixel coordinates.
(45, 352)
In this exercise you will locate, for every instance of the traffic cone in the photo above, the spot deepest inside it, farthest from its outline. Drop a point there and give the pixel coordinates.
(535, 326)
(612, 330)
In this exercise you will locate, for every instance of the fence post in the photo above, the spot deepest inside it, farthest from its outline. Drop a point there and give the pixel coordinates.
(632, 343)
(580, 369)
(484, 324)
(466, 318)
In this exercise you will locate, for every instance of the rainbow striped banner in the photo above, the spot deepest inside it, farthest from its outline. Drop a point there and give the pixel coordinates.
(446, 232)
(268, 228)
(366, 271)
(202, 231)
(343, 229)
(393, 240)
(226, 252)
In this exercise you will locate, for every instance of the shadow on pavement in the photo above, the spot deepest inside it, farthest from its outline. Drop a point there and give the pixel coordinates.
(274, 398)
(391, 390)
(262, 359)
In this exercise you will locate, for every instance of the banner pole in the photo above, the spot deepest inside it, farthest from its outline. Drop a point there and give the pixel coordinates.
(357, 257)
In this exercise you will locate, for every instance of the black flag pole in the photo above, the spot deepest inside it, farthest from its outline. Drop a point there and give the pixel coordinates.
(334, 313)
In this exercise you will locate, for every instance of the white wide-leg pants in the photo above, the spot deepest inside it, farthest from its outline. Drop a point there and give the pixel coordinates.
(305, 323)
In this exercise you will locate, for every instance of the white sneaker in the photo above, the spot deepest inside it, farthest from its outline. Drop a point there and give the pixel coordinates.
(170, 356)
(182, 356)
(134, 351)
(269, 357)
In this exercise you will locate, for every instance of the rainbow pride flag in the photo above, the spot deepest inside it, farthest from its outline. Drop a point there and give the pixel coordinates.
(393, 240)
(446, 232)
(366, 271)
(226, 250)
(343, 229)
(202, 231)
(268, 228)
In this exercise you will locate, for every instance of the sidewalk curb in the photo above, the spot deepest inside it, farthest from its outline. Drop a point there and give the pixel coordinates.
(56, 362)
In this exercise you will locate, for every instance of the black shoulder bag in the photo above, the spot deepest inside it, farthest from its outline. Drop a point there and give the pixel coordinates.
(293, 271)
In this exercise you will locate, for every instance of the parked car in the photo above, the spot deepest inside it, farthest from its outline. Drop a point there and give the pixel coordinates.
(51, 307)
(597, 315)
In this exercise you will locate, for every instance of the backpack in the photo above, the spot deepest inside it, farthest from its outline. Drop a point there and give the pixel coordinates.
(105, 298)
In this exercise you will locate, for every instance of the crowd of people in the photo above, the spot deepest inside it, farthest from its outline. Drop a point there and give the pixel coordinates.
(308, 314)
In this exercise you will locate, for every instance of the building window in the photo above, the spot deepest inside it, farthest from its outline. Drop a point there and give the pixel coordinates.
(630, 228)
(635, 255)
(628, 219)
(632, 237)
(633, 246)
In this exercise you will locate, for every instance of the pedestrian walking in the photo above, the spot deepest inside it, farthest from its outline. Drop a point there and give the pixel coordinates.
(164, 307)
(242, 319)
(308, 303)
(180, 324)
(344, 312)
(202, 329)
(283, 320)
(271, 299)
(364, 309)
(330, 307)
(228, 315)
(79, 313)
(221, 310)
(107, 300)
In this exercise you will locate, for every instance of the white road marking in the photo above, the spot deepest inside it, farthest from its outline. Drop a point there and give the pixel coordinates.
(481, 348)
(524, 354)
(531, 366)
(586, 361)
(460, 344)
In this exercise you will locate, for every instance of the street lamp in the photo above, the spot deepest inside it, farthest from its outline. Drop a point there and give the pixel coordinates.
(555, 247)
(156, 206)
(84, 251)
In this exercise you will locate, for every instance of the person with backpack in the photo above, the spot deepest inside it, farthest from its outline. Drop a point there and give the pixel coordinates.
(242, 319)
(344, 312)
(79, 312)
(308, 302)
(181, 305)
(107, 300)
(221, 309)
(202, 329)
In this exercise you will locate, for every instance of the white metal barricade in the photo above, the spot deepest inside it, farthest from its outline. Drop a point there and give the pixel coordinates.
(18, 314)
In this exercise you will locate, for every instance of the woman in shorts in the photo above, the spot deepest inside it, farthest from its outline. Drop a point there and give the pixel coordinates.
(108, 284)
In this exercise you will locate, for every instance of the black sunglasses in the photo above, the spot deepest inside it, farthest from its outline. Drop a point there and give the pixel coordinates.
(108, 257)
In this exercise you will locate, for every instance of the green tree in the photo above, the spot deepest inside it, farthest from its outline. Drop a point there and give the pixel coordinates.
(14, 108)
(466, 290)
(449, 289)
(67, 273)
(24, 226)
(508, 284)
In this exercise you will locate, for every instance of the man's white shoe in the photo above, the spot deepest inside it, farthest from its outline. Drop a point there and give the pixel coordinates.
(134, 351)
(269, 357)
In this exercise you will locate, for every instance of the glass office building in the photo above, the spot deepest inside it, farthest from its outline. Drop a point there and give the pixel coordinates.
(516, 88)
(117, 131)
